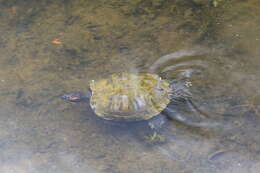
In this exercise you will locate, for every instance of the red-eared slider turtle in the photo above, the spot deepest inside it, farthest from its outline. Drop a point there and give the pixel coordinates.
(130, 97)
(133, 97)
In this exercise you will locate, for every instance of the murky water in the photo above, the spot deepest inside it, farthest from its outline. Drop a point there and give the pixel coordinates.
(48, 48)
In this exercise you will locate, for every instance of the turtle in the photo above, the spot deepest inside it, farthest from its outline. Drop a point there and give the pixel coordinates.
(131, 97)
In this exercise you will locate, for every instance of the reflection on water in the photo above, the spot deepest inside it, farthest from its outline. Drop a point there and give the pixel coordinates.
(49, 48)
(179, 55)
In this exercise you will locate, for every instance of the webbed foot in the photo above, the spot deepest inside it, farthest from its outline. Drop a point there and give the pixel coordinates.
(155, 138)
(155, 124)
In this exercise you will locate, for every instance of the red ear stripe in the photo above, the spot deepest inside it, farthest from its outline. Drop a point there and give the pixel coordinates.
(73, 98)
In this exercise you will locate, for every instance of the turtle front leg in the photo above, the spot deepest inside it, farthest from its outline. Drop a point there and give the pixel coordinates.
(182, 98)
(155, 124)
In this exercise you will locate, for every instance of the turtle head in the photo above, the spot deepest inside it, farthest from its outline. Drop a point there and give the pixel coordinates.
(75, 97)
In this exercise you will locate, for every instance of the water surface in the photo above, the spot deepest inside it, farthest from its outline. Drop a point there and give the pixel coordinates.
(49, 48)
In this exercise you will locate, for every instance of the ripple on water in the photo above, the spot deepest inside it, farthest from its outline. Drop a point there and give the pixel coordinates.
(182, 68)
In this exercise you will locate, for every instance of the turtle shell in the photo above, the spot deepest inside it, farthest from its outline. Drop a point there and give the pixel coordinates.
(129, 97)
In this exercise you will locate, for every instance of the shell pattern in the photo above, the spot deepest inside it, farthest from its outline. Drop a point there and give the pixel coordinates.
(129, 96)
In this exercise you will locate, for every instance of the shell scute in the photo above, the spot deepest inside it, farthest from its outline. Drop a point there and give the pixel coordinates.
(130, 97)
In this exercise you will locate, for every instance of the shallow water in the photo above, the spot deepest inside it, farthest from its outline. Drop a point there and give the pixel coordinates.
(49, 48)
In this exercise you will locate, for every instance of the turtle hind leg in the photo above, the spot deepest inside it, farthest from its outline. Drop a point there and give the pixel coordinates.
(175, 115)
